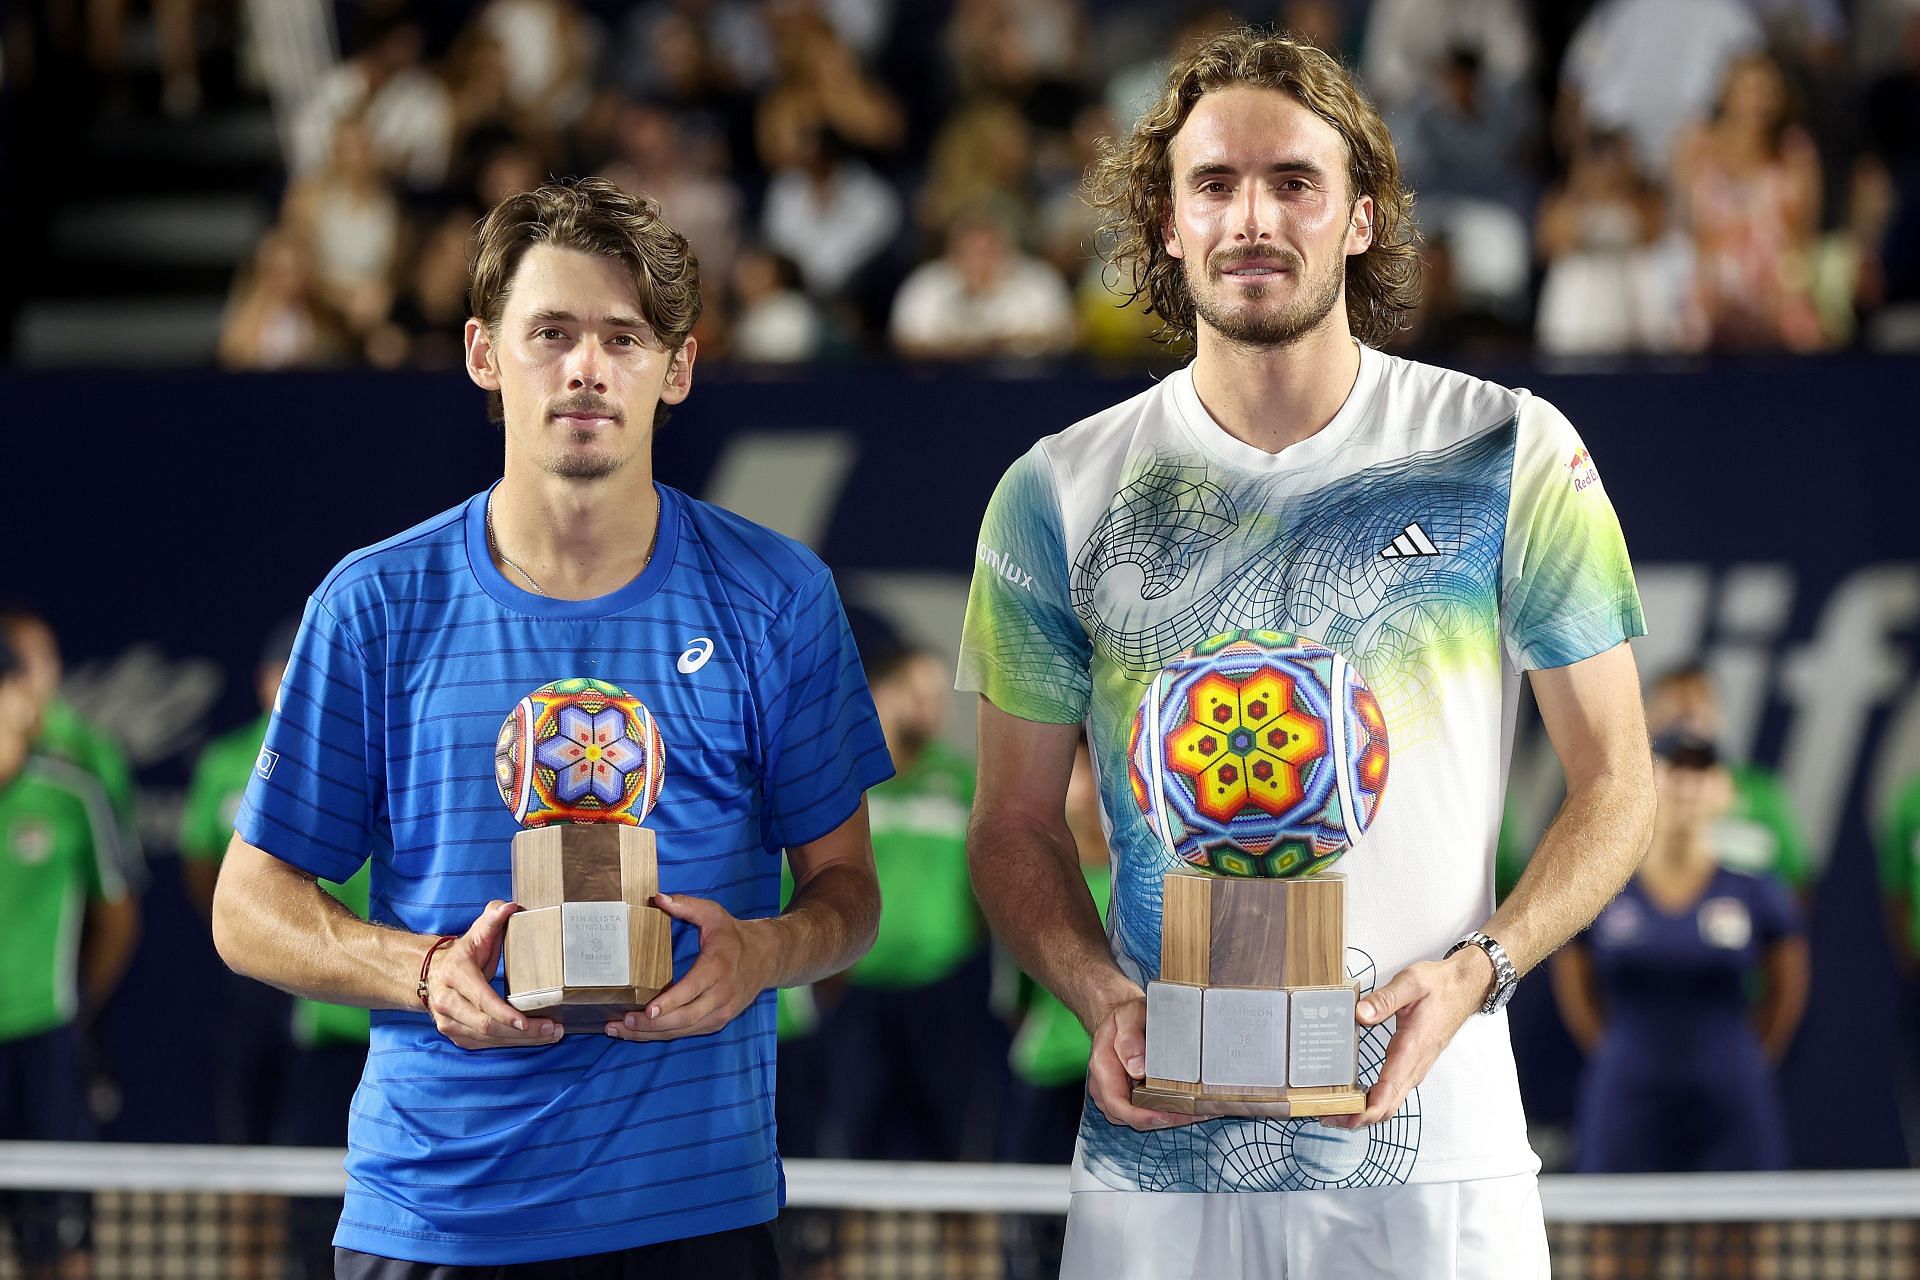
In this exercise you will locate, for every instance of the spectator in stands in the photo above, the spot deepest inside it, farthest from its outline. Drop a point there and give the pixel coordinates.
(1596, 234)
(1407, 39)
(821, 86)
(685, 172)
(1680, 1067)
(1463, 140)
(422, 330)
(407, 110)
(902, 1042)
(548, 46)
(476, 73)
(982, 155)
(1651, 68)
(275, 318)
(347, 215)
(982, 298)
(827, 211)
(58, 864)
(1026, 53)
(1759, 832)
(774, 322)
(174, 23)
(1889, 220)
(1746, 187)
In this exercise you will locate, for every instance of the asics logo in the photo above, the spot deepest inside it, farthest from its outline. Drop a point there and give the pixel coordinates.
(698, 651)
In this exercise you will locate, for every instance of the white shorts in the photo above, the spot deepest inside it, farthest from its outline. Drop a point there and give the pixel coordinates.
(1487, 1229)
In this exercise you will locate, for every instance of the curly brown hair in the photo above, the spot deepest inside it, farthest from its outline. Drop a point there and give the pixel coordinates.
(1131, 181)
(591, 215)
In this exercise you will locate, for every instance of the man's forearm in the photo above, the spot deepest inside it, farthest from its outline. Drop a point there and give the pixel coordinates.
(829, 924)
(1030, 888)
(276, 924)
(1588, 853)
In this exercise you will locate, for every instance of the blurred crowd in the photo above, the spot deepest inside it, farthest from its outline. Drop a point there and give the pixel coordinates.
(863, 177)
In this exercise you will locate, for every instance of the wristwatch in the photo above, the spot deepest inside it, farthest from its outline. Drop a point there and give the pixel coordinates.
(1504, 978)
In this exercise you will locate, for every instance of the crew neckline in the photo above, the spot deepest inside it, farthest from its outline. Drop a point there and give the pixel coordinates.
(505, 592)
(1217, 440)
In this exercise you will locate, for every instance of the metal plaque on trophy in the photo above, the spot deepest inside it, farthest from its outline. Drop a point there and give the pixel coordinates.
(1257, 758)
(580, 763)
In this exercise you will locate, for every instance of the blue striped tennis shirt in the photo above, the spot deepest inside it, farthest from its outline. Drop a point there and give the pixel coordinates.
(410, 656)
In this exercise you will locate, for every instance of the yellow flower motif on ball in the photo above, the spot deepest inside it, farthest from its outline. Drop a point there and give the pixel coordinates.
(1245, 743)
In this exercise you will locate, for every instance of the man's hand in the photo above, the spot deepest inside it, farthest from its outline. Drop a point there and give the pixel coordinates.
(1433, 998)
(460, 995)
(1119, 1062)
(730, 972)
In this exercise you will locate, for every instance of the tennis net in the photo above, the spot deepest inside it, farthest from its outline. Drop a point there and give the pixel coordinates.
(264, 1213)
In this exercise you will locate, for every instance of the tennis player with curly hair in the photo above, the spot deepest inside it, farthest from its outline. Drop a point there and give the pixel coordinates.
(1445, 535)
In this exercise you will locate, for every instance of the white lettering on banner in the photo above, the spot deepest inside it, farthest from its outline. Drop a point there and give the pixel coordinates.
(1003, 564)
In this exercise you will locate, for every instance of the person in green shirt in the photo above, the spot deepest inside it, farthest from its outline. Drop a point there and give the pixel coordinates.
(903, 1042)
(66, 933)
(1759, 834)
(290, 1065)
(287, 1066)
(1897, 845)
(62, 733)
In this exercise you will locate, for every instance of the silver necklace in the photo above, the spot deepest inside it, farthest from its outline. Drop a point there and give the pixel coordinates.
(493, 545)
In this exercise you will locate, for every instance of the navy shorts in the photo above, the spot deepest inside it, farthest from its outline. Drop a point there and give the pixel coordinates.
(745, 1253)
(43, 1098)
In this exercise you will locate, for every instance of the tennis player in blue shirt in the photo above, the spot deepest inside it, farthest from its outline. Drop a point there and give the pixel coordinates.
(483, 1138)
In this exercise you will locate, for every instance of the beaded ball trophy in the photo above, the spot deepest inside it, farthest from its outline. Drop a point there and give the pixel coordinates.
(1257, 758)
(580, 763)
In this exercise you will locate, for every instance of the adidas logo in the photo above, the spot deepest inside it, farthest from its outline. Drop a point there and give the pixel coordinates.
(1413, 541)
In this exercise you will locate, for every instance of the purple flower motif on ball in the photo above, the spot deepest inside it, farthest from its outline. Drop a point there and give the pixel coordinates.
(590, 753)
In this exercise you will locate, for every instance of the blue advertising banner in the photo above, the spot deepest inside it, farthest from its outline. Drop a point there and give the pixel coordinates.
(165, 523)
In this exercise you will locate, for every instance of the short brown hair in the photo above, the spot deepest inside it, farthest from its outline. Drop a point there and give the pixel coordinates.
(591, 215)
(1131, 183)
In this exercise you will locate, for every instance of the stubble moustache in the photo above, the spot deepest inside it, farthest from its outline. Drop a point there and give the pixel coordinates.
(1255, 326)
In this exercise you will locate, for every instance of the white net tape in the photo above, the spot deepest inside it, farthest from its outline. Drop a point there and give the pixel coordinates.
(977, 1188)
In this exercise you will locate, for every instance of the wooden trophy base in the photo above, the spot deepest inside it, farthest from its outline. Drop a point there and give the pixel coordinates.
(1292, 1104)
(1252, 1014)
(587, 947)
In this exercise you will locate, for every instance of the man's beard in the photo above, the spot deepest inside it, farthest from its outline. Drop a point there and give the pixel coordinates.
(595, 465)
(583, 466)
(1254, 326)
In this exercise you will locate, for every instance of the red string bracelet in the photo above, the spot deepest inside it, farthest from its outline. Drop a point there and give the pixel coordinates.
(426, 964)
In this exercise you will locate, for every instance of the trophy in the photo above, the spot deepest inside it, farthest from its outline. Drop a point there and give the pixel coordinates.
(1257, 758)
(580, 763)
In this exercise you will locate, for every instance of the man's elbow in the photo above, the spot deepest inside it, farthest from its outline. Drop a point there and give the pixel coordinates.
(227, 940)
(230, 913)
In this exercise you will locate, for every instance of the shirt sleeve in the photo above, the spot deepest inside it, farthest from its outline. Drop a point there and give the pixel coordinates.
(821, 746)
(1022, 645)
(316, 783)
(1567, 589)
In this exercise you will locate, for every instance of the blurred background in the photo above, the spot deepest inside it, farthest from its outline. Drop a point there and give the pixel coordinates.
(237, 235)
